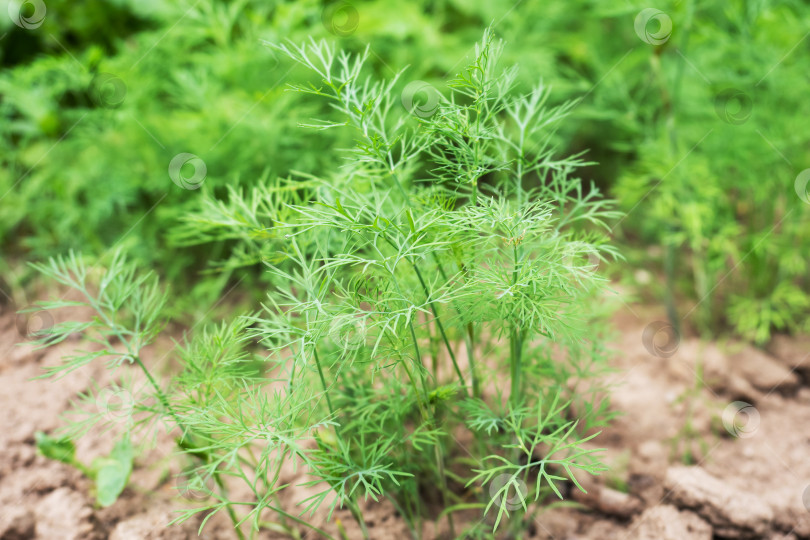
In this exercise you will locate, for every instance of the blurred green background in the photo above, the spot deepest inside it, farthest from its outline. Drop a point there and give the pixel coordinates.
(694, 112)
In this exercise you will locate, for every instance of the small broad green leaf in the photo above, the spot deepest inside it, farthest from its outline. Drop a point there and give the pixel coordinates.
(56, 448)
(112, 472)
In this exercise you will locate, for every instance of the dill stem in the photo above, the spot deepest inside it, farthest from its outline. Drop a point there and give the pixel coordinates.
(161, 396)
(439, 325)
(357, 514)
(426, 290)
(431, 420)
(341, 529)
(325, 387)
(516, 340)
(434, 350)
(519, 172)
(187, 433)
(407, 513)
(165, 402)
(418, 361)
(296, 519)
(439, 455)
(516, 349)
(469, 339)
(354, 508)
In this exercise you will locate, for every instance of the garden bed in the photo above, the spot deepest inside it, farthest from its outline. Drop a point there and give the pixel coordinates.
(747, 480)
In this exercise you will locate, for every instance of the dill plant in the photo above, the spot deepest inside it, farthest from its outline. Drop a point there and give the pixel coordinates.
(438, 287)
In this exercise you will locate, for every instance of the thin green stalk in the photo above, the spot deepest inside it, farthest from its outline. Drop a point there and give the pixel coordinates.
(229, 507)
(477, 146)
(426, 416)
(469, 339)
(407, 513)
(186, 432)
(292, 375)
(296, 519)
(418, 361)
(519, 172)
(426, 290)
(516, 341)
(357, 514)
(440, 326)
(439, 456)
(516, 350)
(415, 386)
(342, 530)
(434, 351)
(431, 419)
(323, 383)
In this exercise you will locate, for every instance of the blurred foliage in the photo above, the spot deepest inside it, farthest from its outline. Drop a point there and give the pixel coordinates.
(98, 99)
(713, 180)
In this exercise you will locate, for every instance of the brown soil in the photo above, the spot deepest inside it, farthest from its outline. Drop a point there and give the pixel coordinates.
(749, 472)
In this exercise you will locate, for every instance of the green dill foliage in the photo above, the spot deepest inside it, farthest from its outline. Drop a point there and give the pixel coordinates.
(440, 285)
(713, 180)
(100, 98)
(127, 305)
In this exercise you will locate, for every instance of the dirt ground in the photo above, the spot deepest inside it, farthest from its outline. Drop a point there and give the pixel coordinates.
(749, 475)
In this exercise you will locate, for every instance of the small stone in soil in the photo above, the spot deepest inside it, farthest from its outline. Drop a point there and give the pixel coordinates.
(666, 522)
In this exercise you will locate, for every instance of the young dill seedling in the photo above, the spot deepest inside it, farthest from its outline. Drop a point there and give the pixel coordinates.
(440, 286)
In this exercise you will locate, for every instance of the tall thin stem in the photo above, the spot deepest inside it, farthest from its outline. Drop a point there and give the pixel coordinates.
(439, 325)
(469, 339)
(323, 383)
(426, 290)
(164, 400)
(516, 340)
(516, 361)
(187, 434)
(357, 514)
(431, 420)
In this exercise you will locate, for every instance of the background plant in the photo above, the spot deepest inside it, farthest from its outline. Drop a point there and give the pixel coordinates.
(713, 182)
(99, 99)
